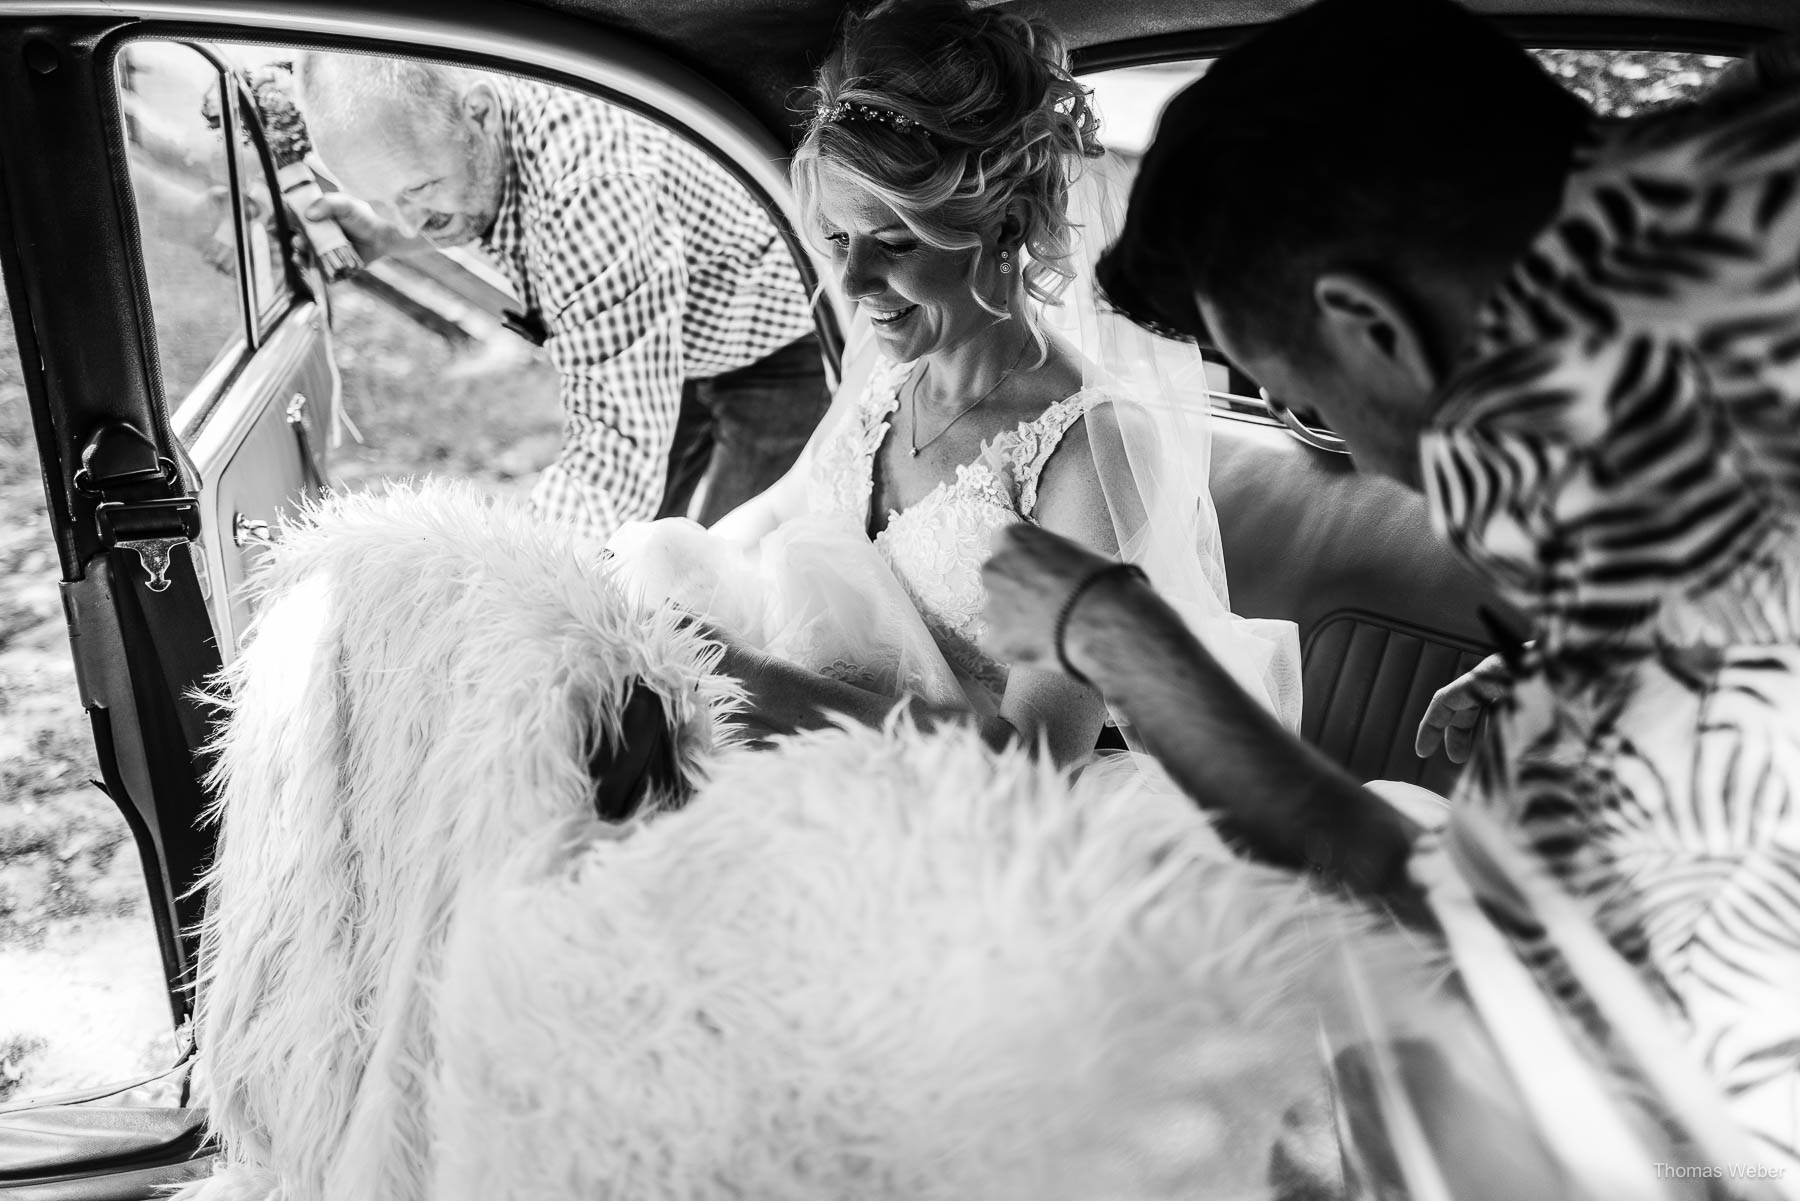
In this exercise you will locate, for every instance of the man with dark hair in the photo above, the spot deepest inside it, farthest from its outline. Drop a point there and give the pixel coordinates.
(1582, 342)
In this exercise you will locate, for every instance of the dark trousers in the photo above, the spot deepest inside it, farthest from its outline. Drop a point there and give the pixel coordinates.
(739, 432)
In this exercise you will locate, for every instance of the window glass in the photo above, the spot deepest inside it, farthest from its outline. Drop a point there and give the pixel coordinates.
(436, 379)
(180, 179)
(1629, 83)
(82, 998)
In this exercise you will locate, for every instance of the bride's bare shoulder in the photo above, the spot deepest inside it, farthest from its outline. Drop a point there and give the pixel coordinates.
(1060, 375)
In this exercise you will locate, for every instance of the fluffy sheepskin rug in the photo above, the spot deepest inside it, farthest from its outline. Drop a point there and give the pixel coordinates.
(427, 679)
(870, 963)
(887, 964)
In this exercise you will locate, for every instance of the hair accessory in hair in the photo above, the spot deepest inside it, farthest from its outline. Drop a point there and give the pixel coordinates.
(845, 112)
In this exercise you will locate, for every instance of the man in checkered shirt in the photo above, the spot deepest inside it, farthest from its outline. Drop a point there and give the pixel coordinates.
(671, 308)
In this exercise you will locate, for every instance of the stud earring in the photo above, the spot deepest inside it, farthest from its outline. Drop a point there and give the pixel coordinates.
(1005, 262)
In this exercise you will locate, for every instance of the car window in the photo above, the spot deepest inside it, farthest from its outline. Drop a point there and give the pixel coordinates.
(82, 997)
(1615, 83)
(1629, 83)
(443, 362)
(180, 175)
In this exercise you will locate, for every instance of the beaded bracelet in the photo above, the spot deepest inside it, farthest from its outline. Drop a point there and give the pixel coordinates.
(1129, 570)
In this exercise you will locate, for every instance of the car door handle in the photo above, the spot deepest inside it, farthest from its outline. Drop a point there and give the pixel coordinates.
(309, 466)
(247, 531)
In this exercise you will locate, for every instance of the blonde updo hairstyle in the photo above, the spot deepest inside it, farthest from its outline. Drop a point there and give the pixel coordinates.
(974, 112)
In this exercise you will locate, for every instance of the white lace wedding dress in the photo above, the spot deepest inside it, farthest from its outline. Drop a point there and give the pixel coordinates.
(937, 546)
(901, 612)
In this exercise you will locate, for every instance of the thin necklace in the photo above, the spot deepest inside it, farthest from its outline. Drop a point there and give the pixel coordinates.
(917, 446)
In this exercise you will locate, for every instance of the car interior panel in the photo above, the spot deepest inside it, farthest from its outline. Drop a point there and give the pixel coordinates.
(1387, 615)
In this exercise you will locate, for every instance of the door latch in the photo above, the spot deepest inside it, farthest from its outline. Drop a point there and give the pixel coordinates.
(141, 506)
(139, 526)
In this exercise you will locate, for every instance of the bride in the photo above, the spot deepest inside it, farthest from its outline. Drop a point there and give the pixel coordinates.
(951, 168)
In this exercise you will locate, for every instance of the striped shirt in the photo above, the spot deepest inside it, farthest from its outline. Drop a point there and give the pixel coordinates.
(1622, 457)
(648, 265)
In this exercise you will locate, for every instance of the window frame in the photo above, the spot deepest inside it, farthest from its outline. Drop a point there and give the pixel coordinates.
(188, 412)
(544, 47)
(293, 283)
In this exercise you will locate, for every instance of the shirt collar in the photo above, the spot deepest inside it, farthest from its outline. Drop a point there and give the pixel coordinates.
(505, 239)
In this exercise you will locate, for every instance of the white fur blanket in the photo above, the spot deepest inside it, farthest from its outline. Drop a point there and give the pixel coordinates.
(871, 963)
(427, 678)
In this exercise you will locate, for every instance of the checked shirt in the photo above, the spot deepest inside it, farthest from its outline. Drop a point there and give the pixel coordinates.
(648, 265)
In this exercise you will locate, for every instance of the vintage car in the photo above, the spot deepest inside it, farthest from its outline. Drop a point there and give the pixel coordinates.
(175, 326)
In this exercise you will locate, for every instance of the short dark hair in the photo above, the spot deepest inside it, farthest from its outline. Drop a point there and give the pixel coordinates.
(1355, 134)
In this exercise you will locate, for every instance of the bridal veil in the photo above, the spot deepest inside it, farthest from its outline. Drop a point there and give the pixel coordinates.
(1153, 448)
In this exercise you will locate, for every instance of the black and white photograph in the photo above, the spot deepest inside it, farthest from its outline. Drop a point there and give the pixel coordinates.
(900, 600)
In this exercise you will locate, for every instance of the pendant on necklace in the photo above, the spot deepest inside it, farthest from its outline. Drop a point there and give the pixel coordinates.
(915, 452)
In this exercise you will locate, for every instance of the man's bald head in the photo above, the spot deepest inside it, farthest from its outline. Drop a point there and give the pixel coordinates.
(423, 141)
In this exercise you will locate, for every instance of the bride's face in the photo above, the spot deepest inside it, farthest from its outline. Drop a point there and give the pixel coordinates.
(917, 297)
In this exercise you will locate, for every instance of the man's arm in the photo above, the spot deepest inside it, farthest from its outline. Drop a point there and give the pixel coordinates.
(1278, 798)
(372, 236)
(612, 285)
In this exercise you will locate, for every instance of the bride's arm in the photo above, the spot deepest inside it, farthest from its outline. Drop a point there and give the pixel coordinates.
(785, 698)
(1049, 705)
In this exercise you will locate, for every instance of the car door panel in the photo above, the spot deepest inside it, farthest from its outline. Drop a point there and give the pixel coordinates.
(134, 513)
(257, 457)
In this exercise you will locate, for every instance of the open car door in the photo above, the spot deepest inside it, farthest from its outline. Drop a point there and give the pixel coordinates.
(175, 349)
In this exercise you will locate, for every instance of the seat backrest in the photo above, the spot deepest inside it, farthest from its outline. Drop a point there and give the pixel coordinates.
(1387, 614)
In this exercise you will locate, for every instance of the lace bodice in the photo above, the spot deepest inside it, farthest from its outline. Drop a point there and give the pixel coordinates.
(937, 546)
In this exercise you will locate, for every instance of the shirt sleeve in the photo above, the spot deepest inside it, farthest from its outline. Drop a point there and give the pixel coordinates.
(612, 283)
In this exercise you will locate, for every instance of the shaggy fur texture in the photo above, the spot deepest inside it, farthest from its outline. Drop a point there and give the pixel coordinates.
(426, 681)
(888, 964)
(871, 963)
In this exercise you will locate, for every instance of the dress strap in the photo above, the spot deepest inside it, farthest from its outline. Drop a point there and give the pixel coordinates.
(1038, 440)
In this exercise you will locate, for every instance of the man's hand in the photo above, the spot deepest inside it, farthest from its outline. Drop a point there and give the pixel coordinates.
(1456, 710)
(1028, 578)
(372, 235)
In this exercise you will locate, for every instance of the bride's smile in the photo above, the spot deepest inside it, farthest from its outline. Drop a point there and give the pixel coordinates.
(920, 299)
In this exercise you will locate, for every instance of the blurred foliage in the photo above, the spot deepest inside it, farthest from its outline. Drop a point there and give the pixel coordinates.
(1625, 83)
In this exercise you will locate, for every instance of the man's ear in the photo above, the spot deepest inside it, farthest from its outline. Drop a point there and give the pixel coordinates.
(481, 105)
(1367, 321)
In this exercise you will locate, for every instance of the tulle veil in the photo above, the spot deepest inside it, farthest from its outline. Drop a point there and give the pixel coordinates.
(1153, 451)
